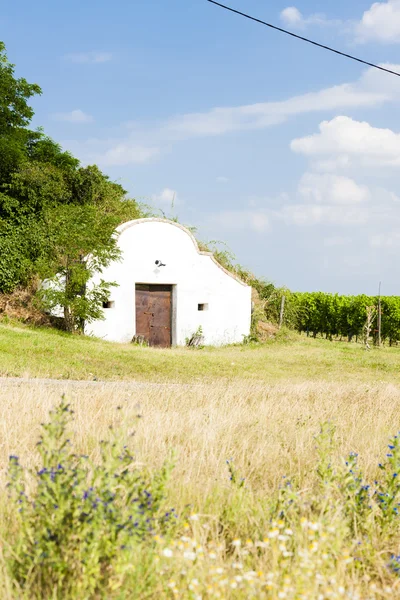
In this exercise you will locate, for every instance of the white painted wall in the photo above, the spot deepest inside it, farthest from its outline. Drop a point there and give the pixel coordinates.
(197, 279)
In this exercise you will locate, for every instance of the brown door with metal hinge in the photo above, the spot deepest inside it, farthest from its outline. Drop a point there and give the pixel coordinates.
(153, 314)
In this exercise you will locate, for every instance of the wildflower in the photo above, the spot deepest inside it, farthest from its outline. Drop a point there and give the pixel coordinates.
(288, 532)
(347, 558)
(237, 565)
(189, 555)
(212, 555)
(167, 552)
(237, 543)
(194, 517)
(273, 533)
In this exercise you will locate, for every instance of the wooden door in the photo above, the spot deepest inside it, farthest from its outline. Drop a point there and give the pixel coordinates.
(153, 314)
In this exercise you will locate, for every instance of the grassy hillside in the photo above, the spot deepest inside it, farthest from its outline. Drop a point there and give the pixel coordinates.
(47, 353)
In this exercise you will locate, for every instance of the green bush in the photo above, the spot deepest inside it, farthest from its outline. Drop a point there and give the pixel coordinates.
(81, 523)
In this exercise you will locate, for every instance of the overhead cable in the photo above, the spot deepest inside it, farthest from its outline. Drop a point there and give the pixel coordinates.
(304, 39)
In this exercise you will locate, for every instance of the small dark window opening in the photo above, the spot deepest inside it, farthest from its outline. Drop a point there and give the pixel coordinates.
(202, 307)
(109, 304)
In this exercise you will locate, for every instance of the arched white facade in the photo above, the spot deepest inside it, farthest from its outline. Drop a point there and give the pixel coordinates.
(203, 293)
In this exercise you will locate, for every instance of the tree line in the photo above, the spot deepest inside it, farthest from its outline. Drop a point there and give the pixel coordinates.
(57, 217)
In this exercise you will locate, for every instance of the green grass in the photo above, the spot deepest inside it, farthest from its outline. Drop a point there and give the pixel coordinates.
(46, 353)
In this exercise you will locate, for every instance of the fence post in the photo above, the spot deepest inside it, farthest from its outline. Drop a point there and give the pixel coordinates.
(379, 318)
(282, 311)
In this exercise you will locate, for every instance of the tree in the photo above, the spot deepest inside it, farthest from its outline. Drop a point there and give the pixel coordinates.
(15, 113)
(82, 243)
(15, 116)
(57, 218)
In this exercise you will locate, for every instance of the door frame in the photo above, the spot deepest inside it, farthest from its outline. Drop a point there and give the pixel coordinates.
(173, 306)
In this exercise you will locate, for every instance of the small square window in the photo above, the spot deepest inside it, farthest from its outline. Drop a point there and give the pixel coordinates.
(109, 304)
(202, 307)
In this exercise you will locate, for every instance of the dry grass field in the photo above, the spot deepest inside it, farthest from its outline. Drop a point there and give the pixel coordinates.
(268, 430)
(289, 516)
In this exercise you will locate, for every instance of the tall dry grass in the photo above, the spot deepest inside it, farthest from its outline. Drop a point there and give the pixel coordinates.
(268, 431)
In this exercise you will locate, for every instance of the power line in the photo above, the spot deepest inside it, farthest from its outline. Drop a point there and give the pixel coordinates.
(299, 37)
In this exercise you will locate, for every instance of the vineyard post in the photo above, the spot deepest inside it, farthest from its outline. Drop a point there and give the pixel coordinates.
(282, 311)
(379, 317)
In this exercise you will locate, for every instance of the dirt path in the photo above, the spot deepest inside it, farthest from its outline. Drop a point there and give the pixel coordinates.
(65, 383)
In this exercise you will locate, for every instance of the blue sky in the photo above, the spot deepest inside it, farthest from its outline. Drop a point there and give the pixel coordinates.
(287, 153)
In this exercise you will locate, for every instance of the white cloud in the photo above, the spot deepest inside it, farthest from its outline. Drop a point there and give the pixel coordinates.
(380, 23)
(89, 57)
(349, 141)
(167, 197)
(332, 189)
(388, 240)
(327, 199)
(75, 116)
(336, 240)
(143, 144)
(292, 17)
(314, 214)
(333, 199)
(110, 152)
(223, 120)
(257, 220)
(123, 154)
